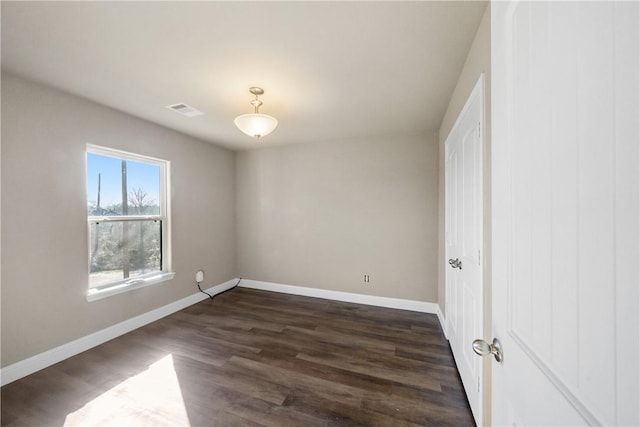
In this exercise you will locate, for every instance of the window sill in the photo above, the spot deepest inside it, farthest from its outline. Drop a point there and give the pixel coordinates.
(96, 294)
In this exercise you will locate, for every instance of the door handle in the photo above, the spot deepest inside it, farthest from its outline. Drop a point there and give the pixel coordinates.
(455, 263)
(482, 348)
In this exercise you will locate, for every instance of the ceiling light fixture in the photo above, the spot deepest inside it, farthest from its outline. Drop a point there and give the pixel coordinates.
(255, 124)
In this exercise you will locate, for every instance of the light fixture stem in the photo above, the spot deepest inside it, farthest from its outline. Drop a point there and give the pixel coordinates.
(256, 104)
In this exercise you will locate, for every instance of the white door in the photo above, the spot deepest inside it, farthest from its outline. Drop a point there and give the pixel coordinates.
(565, 212)
(463, 171)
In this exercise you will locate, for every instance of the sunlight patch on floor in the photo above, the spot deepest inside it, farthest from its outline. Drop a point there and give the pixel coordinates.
(151, 397)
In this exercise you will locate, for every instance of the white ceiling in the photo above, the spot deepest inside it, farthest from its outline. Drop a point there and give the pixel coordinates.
(330, 70)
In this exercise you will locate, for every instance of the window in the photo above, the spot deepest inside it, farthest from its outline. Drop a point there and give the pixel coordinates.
(128, 220)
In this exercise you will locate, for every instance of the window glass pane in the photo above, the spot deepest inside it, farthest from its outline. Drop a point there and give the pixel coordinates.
(143, 182)
(123, 250)
(121, 187)
(104, 185)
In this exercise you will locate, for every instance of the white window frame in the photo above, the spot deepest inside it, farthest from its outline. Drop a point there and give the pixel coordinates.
(153, 278)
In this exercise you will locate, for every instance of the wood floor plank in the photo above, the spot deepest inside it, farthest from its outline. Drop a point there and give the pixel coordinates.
(378, 370)
(329, 373)
(254, 358)
(294, 381)
(336, 413)
(341, 338)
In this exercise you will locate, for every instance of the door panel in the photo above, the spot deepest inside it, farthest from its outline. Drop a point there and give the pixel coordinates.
(464, 243)
(565, 212)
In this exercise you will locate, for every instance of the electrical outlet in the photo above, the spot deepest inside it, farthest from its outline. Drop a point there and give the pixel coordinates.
(200, 276)
(366, 278)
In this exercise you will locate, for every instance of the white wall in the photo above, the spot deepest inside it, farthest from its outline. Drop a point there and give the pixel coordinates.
(44, 228)
(323, 215)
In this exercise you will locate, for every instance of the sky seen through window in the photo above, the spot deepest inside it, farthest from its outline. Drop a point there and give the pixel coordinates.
(140, 175)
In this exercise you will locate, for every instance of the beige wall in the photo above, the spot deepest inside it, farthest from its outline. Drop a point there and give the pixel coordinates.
(323, 215)
(44, 232)
(478, 61)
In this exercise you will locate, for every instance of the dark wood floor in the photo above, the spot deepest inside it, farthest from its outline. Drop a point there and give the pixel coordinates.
(255, 358)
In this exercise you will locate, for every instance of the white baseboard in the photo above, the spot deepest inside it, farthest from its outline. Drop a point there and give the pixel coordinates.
(441, 319)
(402, 304)
(40, 361)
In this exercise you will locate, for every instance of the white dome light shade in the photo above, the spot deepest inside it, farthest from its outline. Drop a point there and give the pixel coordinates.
(255, 124)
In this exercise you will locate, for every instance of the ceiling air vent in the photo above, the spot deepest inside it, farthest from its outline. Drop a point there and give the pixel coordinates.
(185, 110)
